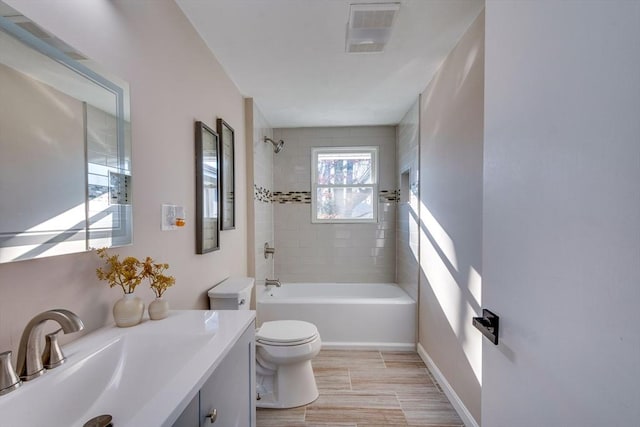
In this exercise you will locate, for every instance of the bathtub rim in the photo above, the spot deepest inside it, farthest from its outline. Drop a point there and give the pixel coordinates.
(403, 299)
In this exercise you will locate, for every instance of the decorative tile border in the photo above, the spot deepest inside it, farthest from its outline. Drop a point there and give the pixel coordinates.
(304, 197)
(261, 194)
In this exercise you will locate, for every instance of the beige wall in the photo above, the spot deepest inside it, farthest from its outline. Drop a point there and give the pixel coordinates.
(174, 81)
(451, 165)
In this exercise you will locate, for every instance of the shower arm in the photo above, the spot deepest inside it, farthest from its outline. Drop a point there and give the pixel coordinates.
(277, 146)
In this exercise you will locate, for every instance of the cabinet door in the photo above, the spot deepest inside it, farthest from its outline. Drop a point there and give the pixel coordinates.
(190, 415)
(230, 391)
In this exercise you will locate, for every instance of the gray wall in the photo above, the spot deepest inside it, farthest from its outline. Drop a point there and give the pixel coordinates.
(307, 252)
(261, 179)
(451, 133)
(562, 213)
(407, 228)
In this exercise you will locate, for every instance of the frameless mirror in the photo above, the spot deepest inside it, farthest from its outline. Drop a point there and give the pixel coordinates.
(65, 147)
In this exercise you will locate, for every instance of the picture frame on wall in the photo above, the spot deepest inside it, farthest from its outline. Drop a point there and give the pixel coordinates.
(227, 175)
(207, 189)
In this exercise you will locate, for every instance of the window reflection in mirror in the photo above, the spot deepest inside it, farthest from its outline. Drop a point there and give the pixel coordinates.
(65, 162)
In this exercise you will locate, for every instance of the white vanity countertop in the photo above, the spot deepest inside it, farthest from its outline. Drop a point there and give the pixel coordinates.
(144, 375)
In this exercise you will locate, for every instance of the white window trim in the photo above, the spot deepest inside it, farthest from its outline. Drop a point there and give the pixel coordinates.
(374, 150)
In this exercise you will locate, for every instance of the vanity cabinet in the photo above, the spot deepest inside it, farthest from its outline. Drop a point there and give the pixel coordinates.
(227, 398)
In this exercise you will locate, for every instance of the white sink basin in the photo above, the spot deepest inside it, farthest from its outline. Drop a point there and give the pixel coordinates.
(142, 375)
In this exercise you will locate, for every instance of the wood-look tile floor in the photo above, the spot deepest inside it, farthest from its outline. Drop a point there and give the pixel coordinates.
(369, 389)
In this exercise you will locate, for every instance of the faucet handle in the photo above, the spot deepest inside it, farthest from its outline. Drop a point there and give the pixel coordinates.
(268, 251)
(9, 380)
(52, 357)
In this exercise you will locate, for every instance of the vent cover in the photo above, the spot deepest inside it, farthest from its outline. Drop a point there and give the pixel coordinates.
(369, 26)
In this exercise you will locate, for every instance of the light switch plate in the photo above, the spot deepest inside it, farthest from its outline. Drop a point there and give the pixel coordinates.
(173, 217)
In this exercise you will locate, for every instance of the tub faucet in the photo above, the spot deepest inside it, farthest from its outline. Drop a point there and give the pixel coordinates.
(30, 351)
(272, 282)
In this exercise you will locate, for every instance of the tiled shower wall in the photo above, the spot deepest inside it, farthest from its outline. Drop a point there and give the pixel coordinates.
(307, 252)
(407, 232)
(263, 185)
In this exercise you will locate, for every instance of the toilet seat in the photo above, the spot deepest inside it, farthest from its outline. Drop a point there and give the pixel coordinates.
(286, 333)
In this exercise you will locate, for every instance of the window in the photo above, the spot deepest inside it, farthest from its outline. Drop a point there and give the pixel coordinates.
(344, 184)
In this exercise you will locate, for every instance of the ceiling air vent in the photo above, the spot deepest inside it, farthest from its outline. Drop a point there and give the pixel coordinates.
(369, 26)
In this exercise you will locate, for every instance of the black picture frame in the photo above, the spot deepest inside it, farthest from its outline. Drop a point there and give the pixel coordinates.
(227, 175)
(207, 189)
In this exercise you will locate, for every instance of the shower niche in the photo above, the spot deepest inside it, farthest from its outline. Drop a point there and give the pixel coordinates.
(405, 186)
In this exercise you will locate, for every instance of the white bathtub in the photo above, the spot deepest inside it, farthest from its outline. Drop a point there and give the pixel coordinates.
(347, 315)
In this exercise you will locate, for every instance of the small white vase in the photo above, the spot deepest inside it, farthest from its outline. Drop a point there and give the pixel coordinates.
(158, 309)
(128, 311)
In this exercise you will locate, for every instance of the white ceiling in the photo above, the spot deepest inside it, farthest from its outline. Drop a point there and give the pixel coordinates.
(289, 56)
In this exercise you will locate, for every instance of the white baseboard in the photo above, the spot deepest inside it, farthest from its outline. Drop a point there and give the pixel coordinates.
(460, 408)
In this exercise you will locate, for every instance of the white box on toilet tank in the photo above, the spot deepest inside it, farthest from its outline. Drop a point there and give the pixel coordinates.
(233, 293)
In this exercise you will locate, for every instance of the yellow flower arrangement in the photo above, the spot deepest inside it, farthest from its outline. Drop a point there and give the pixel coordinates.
(158, 281)
(127, 273)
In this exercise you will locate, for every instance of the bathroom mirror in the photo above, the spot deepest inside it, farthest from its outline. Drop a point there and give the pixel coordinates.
(227, 175)
(65, 147)
(207, 189)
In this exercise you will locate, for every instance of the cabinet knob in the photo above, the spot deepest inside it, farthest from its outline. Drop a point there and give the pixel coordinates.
(212, 416)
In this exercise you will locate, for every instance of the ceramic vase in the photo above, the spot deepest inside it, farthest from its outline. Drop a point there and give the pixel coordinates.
(128, 311)
(158, 309)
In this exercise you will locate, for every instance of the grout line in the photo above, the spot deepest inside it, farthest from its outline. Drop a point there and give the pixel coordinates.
(404, 414)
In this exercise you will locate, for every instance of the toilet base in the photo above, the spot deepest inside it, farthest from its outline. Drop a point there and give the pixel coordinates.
(289, 387)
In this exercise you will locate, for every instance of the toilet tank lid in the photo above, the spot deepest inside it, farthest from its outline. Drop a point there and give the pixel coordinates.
(232, 287)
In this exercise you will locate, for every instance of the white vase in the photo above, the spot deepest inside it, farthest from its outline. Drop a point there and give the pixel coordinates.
(158, 309)
(128, 311)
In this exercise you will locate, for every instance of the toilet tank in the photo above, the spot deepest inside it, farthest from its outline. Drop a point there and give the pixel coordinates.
(233, 293)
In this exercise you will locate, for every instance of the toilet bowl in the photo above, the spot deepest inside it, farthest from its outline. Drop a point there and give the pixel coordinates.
(284, 375)
(284, 349)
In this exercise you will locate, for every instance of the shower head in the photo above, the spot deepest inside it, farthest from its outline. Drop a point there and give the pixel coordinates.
(277, 146)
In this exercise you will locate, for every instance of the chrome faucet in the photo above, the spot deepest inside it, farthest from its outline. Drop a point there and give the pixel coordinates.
(272, 282)
(30, 351)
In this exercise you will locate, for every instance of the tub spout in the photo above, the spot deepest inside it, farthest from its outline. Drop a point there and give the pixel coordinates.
(272, 282)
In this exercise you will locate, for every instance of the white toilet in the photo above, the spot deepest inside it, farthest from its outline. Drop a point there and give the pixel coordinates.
(284, 349)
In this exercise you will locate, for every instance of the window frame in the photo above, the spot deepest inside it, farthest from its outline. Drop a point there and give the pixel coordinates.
(315, 152)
